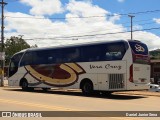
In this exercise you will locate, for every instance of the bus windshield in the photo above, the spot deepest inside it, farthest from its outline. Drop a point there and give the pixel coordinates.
(13, 67)
(139, 52)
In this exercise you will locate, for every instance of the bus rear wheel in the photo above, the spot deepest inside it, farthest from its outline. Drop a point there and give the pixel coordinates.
(87, 88)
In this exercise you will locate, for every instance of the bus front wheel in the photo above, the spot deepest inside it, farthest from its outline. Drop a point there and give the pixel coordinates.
(87, 88)
(24, 85)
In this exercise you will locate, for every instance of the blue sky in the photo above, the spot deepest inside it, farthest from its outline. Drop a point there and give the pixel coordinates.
(34, 20)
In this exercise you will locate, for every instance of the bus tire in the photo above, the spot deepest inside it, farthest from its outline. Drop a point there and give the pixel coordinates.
(87, 88)
(24, 85)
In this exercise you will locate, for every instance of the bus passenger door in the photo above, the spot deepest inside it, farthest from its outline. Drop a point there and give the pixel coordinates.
(13, 69)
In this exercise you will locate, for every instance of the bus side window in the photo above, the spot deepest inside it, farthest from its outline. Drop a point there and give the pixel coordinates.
(71, 55)
(74, 55)
(40, 57)
(114, 51)
(54, 57)
(50, 60)
(91, 53)
(108, 56)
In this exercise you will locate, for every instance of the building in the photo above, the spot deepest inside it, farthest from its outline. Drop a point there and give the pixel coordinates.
(155, 71)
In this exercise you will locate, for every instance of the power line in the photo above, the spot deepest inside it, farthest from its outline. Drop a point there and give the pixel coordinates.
(81, 36)
(83, 17)
(136, 21)
(98, 30)
(147, 23)
(144, 12)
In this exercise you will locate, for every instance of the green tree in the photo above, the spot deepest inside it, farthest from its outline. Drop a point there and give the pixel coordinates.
(155, 54)
(13, 45)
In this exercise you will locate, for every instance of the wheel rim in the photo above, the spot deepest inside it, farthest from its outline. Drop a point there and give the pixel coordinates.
(87, 88)
(24, 84)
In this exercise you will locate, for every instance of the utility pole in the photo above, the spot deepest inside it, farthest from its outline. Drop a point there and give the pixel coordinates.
(21, 39)
(2, 42)
(131, 16)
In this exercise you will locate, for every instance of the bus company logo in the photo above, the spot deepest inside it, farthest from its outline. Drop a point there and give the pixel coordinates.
(59, 75)
(139, 48)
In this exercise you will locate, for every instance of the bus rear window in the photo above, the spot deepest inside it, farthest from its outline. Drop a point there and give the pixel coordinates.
(139, 52)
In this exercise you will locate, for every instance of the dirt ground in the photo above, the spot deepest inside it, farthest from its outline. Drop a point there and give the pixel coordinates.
(146, 93)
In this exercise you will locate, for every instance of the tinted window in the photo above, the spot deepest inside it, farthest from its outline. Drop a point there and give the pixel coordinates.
(71, 55)
(104, 52)
(27, 59)
(52, 56)
(91, 53)
(13, 67)
(101, 52)
(42, 57)
(114, 51)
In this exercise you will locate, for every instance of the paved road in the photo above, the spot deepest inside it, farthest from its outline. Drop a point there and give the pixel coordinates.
(13, 99)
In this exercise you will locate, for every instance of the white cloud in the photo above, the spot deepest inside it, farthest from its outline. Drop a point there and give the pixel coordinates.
(114, 18)
(157, 20)
(44, 7)
(30, 27)
(84, 8)
(54, 32)
(137, 27)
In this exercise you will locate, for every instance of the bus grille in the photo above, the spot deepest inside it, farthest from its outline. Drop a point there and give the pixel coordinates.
(116, 81)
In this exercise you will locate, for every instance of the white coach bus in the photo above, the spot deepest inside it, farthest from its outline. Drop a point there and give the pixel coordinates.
(101, 66)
